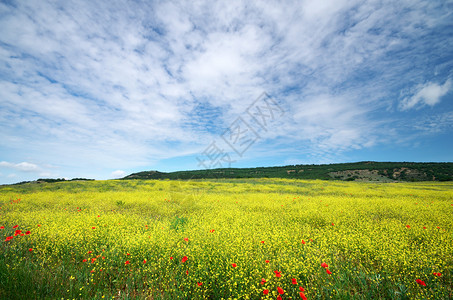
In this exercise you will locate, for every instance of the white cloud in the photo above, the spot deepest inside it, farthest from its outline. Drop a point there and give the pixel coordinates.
(23, 166)
(27, 167)
(427, 94)
(118, 174)
(27, 170)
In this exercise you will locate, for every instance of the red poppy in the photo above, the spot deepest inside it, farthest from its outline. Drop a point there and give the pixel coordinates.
(424, 227)
(420, 282)
(438, 227)
(280, 290)
(31, 249)
(186, 239)
(90, 252)
(127, 262)
(92, 271)
(302, 295)
(234, 265)
(8, 238)
(279, 297)
(301, 289)
(328, 271)
(187, 272)
(278, 273)
(93, 260)
(266, 291)
(212, 230)
(84, 260)
(333, 224)
(39, 225)
(184, 259)
(128, 254)
(2, 227)
(408, 226)
(17, 232)
(99, 216)
(262, 242)
(93, 227)
(200, 283)
(437, 274)
(267, 261)
(15, 226)
(263, 281)
(144, 261)
(324, 265)
(103, 257)
(171, 257)
(294, 281)
(303, 242)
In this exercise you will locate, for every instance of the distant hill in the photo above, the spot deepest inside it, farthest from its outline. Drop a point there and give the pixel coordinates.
(359, 171)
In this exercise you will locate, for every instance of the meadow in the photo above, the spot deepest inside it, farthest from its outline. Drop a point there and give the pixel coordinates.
(226, 239)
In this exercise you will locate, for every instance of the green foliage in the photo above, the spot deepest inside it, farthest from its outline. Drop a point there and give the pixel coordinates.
(401, 171)
(178, 223)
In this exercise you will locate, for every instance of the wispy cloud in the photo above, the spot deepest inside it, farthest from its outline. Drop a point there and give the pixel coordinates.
(23, 166)
(25, 169)
(428, 94)
(439, 123)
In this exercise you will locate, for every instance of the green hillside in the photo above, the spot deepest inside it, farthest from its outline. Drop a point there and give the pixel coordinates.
(360, 171)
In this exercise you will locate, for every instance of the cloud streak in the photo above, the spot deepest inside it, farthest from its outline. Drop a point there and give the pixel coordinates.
(23, 166)
(428, 94)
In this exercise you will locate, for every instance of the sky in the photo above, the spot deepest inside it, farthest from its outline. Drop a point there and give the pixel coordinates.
(102, 89)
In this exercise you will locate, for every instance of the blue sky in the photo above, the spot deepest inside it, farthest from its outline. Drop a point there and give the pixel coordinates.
(101, 89)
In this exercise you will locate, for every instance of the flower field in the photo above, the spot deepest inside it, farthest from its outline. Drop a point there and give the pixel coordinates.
(226, 239)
